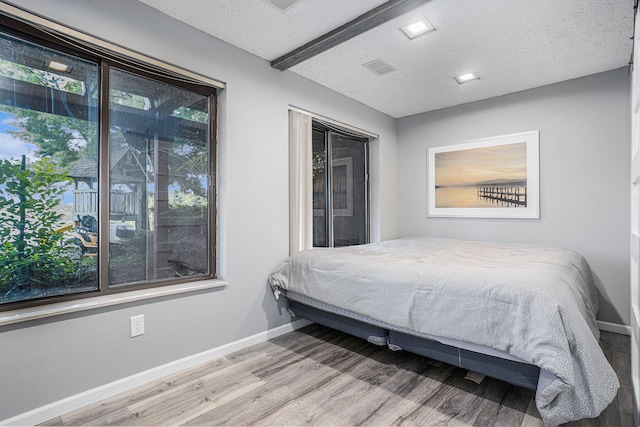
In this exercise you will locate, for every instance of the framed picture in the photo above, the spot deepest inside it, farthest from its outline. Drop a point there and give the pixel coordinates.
(495, 177)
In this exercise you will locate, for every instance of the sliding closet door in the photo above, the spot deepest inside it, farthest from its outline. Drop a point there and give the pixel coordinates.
(635, 228)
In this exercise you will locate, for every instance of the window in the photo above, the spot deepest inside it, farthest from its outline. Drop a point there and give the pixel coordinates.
(340, 202)
(159, 181)
(106, 173)
(327, 209)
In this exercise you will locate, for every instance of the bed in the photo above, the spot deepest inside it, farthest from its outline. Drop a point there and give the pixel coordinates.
(520, 313)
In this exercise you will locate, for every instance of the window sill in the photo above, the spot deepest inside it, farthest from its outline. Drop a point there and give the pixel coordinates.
(55, 309)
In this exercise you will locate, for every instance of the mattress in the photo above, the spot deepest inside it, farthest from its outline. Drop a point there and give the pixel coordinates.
(535, 303)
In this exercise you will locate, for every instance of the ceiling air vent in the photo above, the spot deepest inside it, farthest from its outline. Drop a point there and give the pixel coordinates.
(282, 5)
(379, 67)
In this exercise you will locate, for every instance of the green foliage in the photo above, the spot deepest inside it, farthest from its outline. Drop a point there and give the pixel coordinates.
(129, 99)
(128, 260)
(31, 251)
(64, 139)
(190, 114)
(40, 77)
(189, 163)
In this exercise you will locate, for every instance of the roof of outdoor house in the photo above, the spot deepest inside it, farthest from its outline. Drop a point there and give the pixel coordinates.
(85, 168)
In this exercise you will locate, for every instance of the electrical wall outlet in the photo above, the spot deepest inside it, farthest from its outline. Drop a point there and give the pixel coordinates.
(137, 325)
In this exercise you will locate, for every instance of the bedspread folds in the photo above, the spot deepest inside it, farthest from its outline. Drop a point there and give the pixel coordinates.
(533, 302)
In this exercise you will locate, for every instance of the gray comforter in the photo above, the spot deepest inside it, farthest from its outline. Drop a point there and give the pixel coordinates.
(533, 302)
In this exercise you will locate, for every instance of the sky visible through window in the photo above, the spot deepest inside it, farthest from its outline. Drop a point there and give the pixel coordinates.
(13, 147)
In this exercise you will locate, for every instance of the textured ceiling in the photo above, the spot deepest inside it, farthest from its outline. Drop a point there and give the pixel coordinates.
(512, 45)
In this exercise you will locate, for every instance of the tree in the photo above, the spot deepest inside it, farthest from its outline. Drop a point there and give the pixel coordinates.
(31, 251)
(60, 138)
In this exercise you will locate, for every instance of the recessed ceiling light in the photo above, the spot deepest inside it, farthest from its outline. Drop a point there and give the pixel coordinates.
(418, 28)
(57, 66)
(282, 5)
(463, 78)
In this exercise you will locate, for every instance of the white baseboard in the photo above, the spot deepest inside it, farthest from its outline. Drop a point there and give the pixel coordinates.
(614, 327)
(61, 407)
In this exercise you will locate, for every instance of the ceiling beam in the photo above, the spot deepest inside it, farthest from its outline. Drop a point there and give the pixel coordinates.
(363, 23)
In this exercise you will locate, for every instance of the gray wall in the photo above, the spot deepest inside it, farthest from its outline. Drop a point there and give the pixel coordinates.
(47, 360)
(584, 129)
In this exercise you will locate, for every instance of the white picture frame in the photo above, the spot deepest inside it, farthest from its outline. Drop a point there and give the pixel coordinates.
(495, 177)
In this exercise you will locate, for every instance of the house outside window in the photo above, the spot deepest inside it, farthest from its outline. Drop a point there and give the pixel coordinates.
(106, 173)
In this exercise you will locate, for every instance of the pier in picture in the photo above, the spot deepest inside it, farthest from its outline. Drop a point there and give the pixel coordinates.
(482, 177)
(496, 177)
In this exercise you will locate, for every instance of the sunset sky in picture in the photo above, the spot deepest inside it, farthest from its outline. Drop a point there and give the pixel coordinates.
(463, 167)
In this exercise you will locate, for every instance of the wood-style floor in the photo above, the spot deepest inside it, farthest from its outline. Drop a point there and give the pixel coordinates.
(320, 377)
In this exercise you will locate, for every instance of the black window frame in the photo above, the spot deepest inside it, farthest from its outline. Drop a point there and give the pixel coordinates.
(106, 59)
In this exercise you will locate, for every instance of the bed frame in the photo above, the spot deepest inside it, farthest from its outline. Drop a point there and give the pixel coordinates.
(511, 371)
